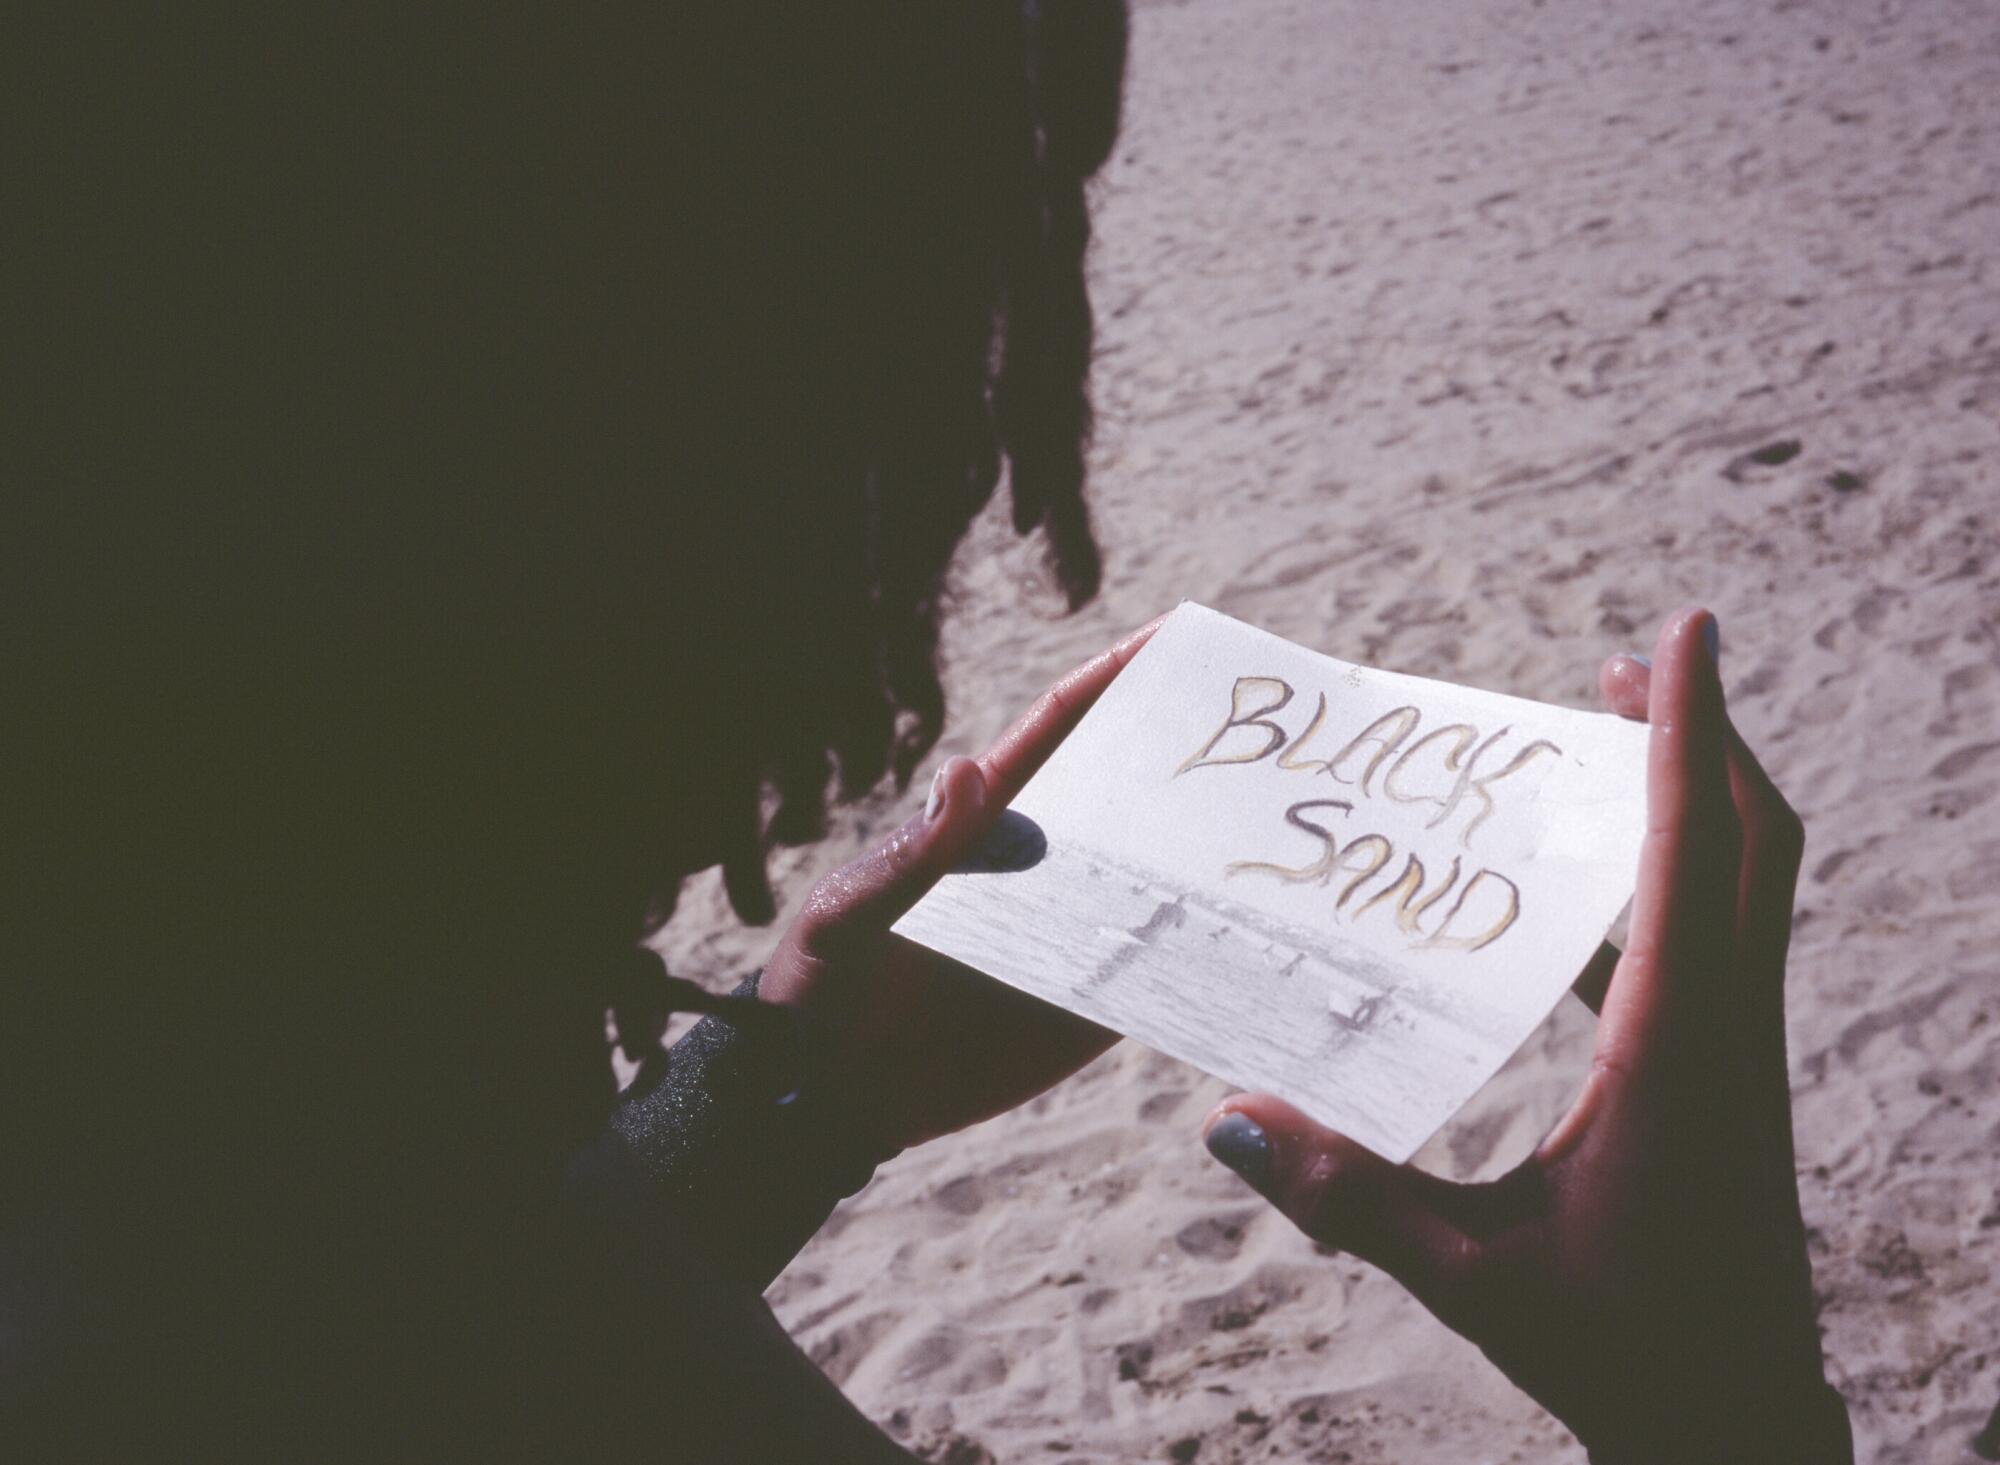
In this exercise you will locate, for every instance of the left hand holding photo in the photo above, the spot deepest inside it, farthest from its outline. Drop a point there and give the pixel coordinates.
(923, 1044)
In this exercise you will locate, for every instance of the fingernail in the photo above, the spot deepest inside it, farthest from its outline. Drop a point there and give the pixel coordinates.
(1639, 656)
(1236, 1140)
(1711, 637)
(934, 805)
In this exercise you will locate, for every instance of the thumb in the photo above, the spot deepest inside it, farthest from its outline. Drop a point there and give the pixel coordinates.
(1343, 1195)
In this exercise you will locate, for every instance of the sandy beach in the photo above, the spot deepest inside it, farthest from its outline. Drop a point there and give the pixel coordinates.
(1469, 341)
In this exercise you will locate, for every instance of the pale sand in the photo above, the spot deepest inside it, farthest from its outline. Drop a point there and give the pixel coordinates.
(1434, 336)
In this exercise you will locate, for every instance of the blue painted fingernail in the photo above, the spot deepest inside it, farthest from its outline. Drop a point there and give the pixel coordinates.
(1711, 637)
(934, 805)
(1236, 1140)
(1639, 656)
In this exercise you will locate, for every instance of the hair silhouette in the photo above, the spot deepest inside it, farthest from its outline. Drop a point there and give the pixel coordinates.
(897, 308)
(468, 470)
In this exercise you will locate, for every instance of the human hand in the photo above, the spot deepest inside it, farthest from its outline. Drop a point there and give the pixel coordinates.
(1643, 1274)
(923, 1045)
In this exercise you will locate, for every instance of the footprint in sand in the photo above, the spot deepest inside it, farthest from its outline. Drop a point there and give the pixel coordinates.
(1216, 1238)
(1964, 760)
(1771, 455)
(964, 1196)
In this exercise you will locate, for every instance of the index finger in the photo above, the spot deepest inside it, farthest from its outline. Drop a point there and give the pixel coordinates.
(1024, 747)
(867, 895)
(1683, 910)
